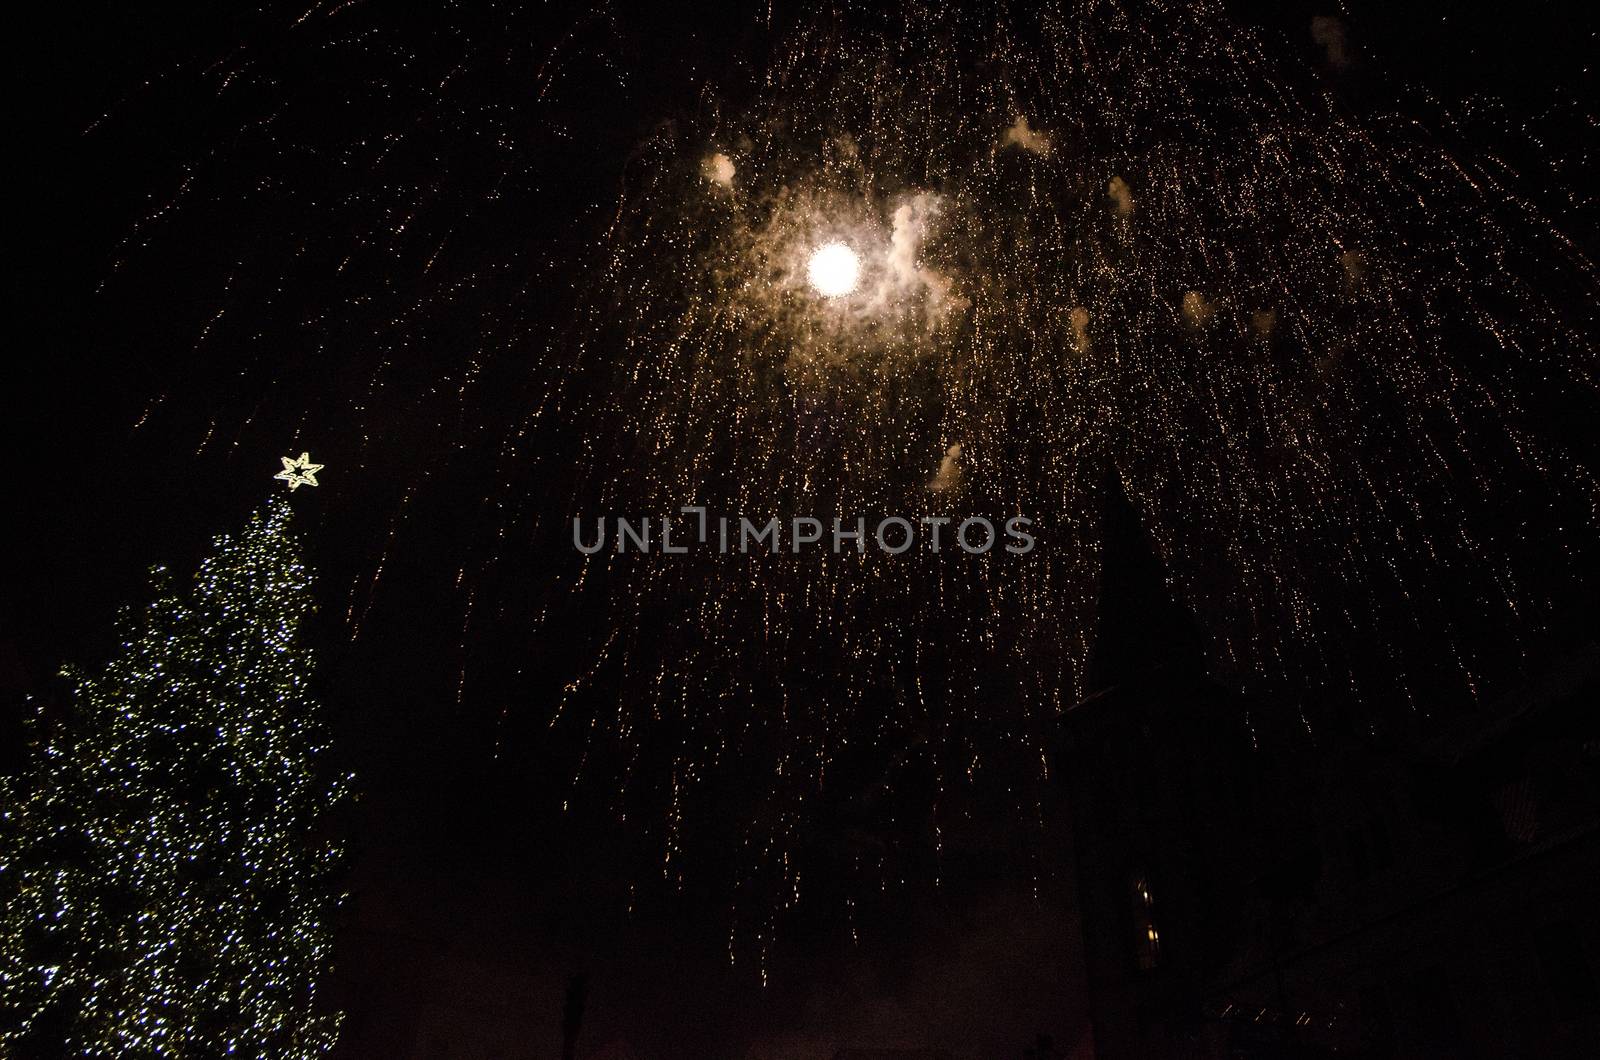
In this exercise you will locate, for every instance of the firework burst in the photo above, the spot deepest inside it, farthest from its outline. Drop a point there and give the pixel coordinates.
(990, 272)
(940, 264)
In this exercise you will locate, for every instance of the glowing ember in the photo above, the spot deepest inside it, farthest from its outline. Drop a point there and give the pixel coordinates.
(834, 269)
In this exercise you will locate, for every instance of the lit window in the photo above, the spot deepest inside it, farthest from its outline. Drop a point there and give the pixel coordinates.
(1147, 940)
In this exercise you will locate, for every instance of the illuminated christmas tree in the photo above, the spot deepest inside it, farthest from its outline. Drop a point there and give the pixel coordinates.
(167, 889)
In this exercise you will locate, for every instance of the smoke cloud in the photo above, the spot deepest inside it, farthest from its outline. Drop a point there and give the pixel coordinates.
(718, 169)
(949, 476)
(1264, 322)
(1198, 309)
(905, 278)
(1030, 140)
(1121, 196)
(1330, 34)
(1079, 319)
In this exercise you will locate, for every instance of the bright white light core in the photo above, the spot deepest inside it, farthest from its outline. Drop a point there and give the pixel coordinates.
(834, 270)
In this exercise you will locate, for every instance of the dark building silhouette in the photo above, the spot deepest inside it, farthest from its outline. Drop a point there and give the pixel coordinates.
(1250, 893)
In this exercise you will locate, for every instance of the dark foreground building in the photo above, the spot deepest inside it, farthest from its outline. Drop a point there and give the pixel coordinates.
(1335, 896)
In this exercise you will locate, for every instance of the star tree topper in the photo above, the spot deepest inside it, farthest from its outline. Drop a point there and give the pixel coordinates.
(301, 472)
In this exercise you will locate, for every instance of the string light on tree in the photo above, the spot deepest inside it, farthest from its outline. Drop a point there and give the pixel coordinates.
(163, 891)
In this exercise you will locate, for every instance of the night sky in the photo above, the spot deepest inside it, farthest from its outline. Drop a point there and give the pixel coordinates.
(162, 362)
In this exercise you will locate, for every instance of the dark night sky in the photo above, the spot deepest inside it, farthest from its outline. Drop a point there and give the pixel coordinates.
(462, 877)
